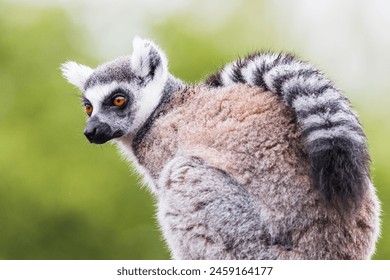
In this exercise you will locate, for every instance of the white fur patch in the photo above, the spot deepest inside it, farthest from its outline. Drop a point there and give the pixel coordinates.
(148, 99)
(248, 72)
(335, 132)
(149, 96)
(311, 83)
(226, 75)
(98, 93)
(304, 103)
(266, 59)
(283, 69)
(76, 74)
(320, 119)
(141, 56)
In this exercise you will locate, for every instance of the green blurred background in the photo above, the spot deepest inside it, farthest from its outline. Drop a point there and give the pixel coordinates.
(61, 198)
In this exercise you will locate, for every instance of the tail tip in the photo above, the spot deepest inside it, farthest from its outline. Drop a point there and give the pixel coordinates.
(341, 174)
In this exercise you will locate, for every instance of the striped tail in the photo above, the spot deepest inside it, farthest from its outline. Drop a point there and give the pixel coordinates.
(333, 137)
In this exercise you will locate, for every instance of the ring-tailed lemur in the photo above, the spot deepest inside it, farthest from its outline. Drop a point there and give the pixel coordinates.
(264, 160)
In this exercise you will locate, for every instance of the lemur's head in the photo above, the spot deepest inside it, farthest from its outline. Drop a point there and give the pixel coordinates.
(120, 95)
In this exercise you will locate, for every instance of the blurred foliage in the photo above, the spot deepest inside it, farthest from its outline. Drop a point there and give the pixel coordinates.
(196, 49)
(61, 198)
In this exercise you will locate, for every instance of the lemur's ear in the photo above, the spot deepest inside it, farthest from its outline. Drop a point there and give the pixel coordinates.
(76, 74)
(148, 60)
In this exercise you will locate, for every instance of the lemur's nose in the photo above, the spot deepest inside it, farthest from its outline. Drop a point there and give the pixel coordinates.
(90, 133)
(98, 132)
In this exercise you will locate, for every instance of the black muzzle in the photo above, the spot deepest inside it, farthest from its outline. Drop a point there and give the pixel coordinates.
(98, 132)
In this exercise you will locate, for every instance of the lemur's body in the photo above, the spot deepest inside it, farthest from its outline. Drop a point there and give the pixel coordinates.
(239, 171)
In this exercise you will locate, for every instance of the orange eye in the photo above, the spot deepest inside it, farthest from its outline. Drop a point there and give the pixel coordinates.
(88, 109)
(119, 101)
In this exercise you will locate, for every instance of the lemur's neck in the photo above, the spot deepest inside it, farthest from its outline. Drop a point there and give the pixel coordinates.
(133, 146)
(172, 86)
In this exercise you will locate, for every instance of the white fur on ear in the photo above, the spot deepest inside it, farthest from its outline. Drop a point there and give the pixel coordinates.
(148, 59)
(76, 74)
(149, 62)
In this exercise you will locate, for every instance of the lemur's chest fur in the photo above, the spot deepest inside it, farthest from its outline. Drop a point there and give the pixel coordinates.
(223, 127)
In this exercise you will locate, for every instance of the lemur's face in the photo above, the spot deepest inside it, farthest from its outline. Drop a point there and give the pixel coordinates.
(119, 96)
(111, 110)
(111, 97)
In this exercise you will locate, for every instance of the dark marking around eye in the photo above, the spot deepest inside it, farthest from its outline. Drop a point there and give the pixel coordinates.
(108, 102)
